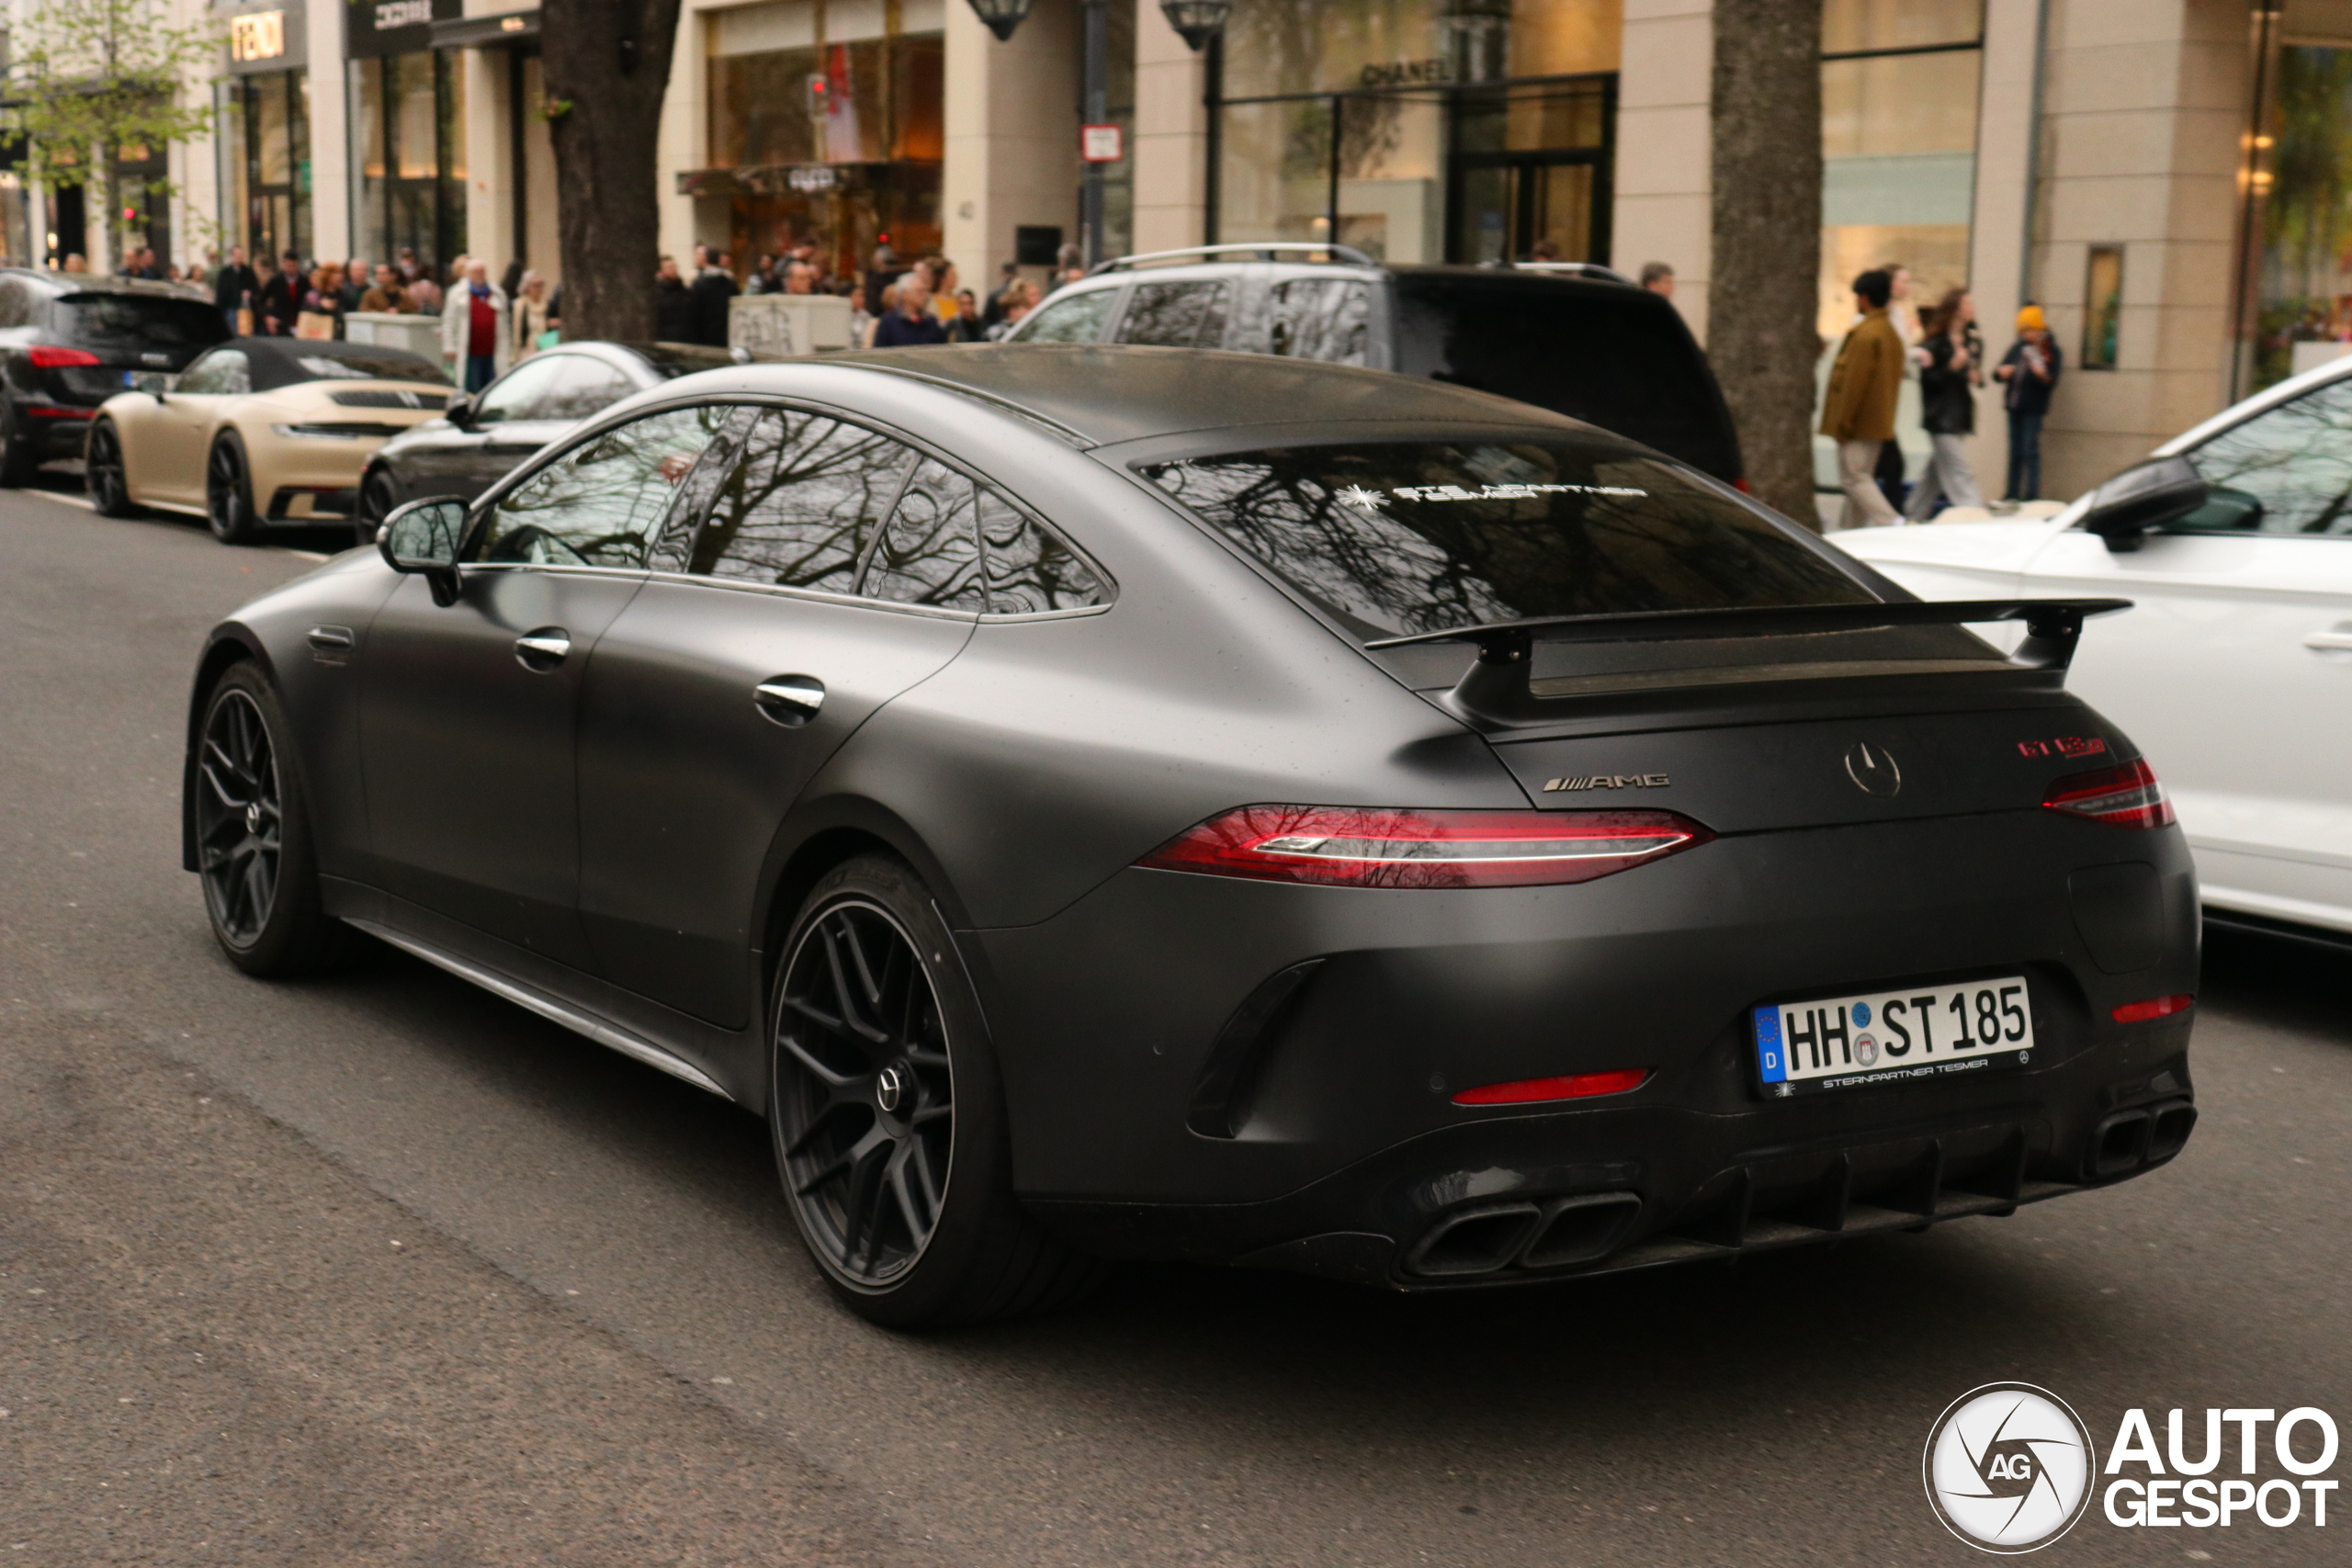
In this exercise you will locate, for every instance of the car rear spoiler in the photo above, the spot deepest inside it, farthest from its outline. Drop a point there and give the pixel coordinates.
(1496, 686)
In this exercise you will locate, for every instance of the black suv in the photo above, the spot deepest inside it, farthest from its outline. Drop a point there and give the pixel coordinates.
(69, 340)
(1585, 342)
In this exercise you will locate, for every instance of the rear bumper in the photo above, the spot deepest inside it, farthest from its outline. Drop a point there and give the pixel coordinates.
(1108, 1020)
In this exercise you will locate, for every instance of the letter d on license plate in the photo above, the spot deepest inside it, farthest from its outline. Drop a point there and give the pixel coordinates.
(1893, 1036)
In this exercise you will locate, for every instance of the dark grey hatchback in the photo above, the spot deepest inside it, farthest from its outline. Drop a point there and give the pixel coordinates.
(1105, 803)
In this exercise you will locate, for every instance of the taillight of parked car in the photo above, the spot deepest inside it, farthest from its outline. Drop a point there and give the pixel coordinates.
(2154, 1008)
(2127, 796)
(1346, 846)
(45, 357)
(1575, 1085)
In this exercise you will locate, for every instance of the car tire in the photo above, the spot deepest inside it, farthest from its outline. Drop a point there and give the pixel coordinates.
(229, 491)
(105, 475)
(256, 855)
(378, 493)
(886, 1115)
(18, 461)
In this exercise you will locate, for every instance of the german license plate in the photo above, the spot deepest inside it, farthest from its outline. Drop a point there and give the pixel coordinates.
(1895, 1036)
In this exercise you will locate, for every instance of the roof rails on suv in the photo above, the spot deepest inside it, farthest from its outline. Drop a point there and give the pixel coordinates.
(1571, 269)
(1263, 250)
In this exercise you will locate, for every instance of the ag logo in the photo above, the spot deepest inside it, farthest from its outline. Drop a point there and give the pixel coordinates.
(2008, 1468)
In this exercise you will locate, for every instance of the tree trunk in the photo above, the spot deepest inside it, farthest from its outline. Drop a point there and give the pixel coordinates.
(1761, 299)
(607, 65)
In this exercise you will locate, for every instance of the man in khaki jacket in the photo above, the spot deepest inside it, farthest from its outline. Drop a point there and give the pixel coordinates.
(1859, 411)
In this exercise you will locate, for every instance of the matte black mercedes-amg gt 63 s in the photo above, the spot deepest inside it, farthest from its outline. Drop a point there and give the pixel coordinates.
(1108, 803)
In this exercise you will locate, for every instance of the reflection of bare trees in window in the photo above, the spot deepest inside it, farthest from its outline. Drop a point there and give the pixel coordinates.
(931, 554)
(1029, 570)
(1393, 564)
(2287, 472)
(1175, 315)
(599, 505)
(801, 505)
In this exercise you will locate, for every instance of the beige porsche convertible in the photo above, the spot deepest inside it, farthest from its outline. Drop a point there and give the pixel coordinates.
(258, 431)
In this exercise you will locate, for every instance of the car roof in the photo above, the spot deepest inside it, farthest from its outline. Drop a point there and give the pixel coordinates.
(100, 283)
(1103, 393)
(283, 350)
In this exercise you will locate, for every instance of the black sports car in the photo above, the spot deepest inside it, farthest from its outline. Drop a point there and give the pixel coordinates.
(1134, 803)
(469, 448)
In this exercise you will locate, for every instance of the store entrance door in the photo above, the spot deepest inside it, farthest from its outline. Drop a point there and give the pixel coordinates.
(1530, 164)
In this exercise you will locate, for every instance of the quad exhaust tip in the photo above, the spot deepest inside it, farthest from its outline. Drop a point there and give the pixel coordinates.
(1556, 1234)
(2134, 1140)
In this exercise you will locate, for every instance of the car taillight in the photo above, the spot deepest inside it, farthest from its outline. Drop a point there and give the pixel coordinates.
(2127, 796)
(1348, 846)
(1575, 1085)
(47, 358)
(2155, 1007)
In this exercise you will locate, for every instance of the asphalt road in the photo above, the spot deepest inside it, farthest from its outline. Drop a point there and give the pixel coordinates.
(380, 1270)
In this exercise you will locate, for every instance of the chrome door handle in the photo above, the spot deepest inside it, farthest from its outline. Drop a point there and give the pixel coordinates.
(789, 700)
(2330, 642)
(543, 649)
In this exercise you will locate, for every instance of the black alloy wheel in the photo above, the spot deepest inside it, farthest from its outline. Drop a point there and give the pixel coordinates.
(377, 496)
(228, 492)
(18, 461)
(103, 472)
(253, 842)
(869, 1109)
(888, 1118)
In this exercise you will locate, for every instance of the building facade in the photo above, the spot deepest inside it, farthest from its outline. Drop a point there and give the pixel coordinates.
(2171, 180)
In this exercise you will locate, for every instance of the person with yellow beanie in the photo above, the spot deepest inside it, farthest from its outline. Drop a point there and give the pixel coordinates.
(2031, 371)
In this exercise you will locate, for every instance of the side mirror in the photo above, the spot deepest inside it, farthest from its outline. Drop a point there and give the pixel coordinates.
(155, 383)
(422, 537)
(461, 411)
(2162, 490)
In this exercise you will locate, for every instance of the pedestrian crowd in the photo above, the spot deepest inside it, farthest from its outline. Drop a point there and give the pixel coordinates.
(1943, 350)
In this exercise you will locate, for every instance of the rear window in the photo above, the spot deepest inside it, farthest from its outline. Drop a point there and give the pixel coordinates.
(131, 321)
(1603, 353)
(1394, 539)
(342, 362)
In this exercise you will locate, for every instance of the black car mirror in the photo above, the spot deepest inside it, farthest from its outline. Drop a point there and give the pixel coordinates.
(155, 383)
(461, 411)
(422, 538)
(2159, 491)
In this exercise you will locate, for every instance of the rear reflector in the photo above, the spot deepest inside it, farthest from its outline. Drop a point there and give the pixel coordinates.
(1348, 846)
(2127, 796)
(47, 358)
(1575, 1085)
(2155, 1007)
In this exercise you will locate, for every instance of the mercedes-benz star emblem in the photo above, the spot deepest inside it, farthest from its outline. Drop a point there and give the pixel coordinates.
(888, 1087)
(1872, 770)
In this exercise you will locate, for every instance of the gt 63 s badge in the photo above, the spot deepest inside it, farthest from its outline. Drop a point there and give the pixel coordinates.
(2008, 1468)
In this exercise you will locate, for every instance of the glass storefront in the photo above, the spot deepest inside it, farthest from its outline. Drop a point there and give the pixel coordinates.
(1416, 130)
(264, 149)
(2296, 273)
(408, 139)
(826, 123)
(1899, 85)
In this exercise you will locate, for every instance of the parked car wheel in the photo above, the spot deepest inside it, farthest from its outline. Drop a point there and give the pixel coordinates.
(109, 486)
(228, 492)
(888, 1118)
(254, 852)
(377, 496)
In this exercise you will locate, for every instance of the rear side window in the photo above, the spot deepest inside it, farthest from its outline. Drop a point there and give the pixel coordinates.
(1320, 318)
(802, 504)
(1175, 315)
(132, 321)
(930, 552)
(1399, 537)
(601, 503)
(1598, 352)
(1072, 318)
(1029, 570)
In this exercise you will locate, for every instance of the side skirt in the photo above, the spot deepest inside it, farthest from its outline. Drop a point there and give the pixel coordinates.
(603, 1032)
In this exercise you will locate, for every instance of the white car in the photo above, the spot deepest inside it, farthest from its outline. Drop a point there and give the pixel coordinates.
(2234, 670)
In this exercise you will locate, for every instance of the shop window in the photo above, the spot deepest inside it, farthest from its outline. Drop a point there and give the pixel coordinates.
(2103, 307)
(2301, 274)
(408, 137)
(266, 165)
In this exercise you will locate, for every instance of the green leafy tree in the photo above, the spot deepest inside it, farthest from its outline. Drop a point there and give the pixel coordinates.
(92, 80)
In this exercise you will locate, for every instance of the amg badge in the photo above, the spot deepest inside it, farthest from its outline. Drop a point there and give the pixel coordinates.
(1608, 781)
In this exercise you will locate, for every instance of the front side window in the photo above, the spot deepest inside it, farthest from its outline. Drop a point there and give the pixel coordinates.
(2285, 471)
(222, 371)
(585, 387)
(519, 393)
(1175, 315)
(802, 504)
(602, 501)
(1398, 537)
(1073, 317)
(931, 553)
